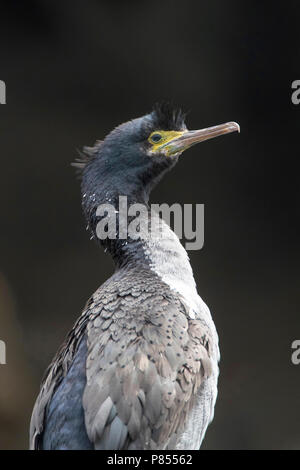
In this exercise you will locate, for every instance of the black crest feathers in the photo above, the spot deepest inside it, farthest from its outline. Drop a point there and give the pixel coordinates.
(167, 117)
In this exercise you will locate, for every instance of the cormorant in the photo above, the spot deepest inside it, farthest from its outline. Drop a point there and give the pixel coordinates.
(139, 368)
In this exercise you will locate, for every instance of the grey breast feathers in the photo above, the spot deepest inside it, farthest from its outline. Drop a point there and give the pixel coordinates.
(145, 364)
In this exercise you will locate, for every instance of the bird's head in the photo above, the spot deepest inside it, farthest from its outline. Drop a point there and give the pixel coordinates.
(136, 154)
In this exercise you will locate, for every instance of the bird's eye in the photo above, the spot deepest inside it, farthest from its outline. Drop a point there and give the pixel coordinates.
(156, 138)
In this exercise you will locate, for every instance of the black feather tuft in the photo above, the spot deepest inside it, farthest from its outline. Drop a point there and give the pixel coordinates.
(85, 156)
(167, 117)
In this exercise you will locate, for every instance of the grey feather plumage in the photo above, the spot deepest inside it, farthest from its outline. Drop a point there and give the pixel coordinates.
(145, 364)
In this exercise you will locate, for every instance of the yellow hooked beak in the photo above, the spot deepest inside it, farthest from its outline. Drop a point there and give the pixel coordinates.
(177, 142)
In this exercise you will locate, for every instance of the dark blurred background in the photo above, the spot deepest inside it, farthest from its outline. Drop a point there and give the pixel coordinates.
(73, 71)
